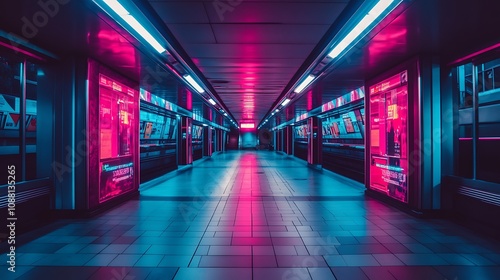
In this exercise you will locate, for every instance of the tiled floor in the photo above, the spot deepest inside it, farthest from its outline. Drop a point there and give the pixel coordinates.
(257, 215)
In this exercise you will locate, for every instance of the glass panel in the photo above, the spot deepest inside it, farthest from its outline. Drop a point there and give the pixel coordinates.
(488, 152)
(10, 95)
(488, 145)
(465, 161)
(116, 121)
(463, 85)
(489, 82)
(496, 77)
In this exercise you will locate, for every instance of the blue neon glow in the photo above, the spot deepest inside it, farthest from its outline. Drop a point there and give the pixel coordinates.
(304, 84)
(132, 22)
(367, 20)
(285, 102)
(193, 83)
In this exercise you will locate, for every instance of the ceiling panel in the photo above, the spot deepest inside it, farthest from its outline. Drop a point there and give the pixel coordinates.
(293, 12)
(236, 51)
(193, 33)
(252, 49)
(181, 11)
(268, 33)
(254, 62)
(262, 71)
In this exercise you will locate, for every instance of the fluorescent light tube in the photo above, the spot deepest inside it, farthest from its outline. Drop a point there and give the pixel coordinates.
(304, 84)
(193, 83)
(367, 20)
(132, 22)
(286, 101)
(247, 125)
(117, 7)
(212, 101)
(380, 7)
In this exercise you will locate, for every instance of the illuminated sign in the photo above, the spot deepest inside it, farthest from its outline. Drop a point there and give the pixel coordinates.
(344, 99)
(388, 144)
(117, 143)
(247, 125)
(392, 82)
(107, 82)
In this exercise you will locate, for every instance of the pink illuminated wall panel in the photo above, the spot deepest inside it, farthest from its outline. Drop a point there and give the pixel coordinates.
(389, 129)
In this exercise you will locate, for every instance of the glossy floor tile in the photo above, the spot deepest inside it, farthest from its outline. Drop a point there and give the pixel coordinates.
(256, 215)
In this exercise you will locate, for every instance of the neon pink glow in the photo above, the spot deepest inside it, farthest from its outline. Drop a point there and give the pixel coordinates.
(480, 138)
(117, 142)
(389, 144)
(248, 125)
(468, 57)
(16, 49)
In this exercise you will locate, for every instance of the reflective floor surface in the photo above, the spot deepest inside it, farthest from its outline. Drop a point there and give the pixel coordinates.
(256, 215)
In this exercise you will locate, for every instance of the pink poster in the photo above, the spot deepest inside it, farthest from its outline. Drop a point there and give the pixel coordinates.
(388, 145)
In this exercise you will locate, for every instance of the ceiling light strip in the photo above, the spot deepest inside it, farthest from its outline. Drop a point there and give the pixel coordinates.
(361, 27)
(193, 83)
(132, 22)
(304, 84)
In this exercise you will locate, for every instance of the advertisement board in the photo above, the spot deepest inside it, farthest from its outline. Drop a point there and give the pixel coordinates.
(117, 177)
(388, 134)
(117, 141)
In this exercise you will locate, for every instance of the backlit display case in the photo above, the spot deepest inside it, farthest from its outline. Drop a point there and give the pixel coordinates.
(197, 140)
(301, 132)
(388, 134)
(117, 126)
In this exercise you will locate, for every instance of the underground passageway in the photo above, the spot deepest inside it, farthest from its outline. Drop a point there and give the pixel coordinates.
(257, 215)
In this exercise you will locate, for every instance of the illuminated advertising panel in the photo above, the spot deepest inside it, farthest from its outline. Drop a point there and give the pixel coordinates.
(301, 132)
(247, 125)
(117, 141)
(389, 130)
(197, 132)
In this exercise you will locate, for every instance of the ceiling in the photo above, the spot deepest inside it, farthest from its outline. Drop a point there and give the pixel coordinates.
(255, 51)
(425, 28)
(250, 50)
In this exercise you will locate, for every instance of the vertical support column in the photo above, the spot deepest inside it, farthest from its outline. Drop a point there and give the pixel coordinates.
(282, 138)
(277, 134)
(314, 141)
(224, 137)
(288, 140)
(431, 133)
(186, 149)
(215, 138)
(218, 139)
(77, 96)
(207, 132)
(207, 141)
